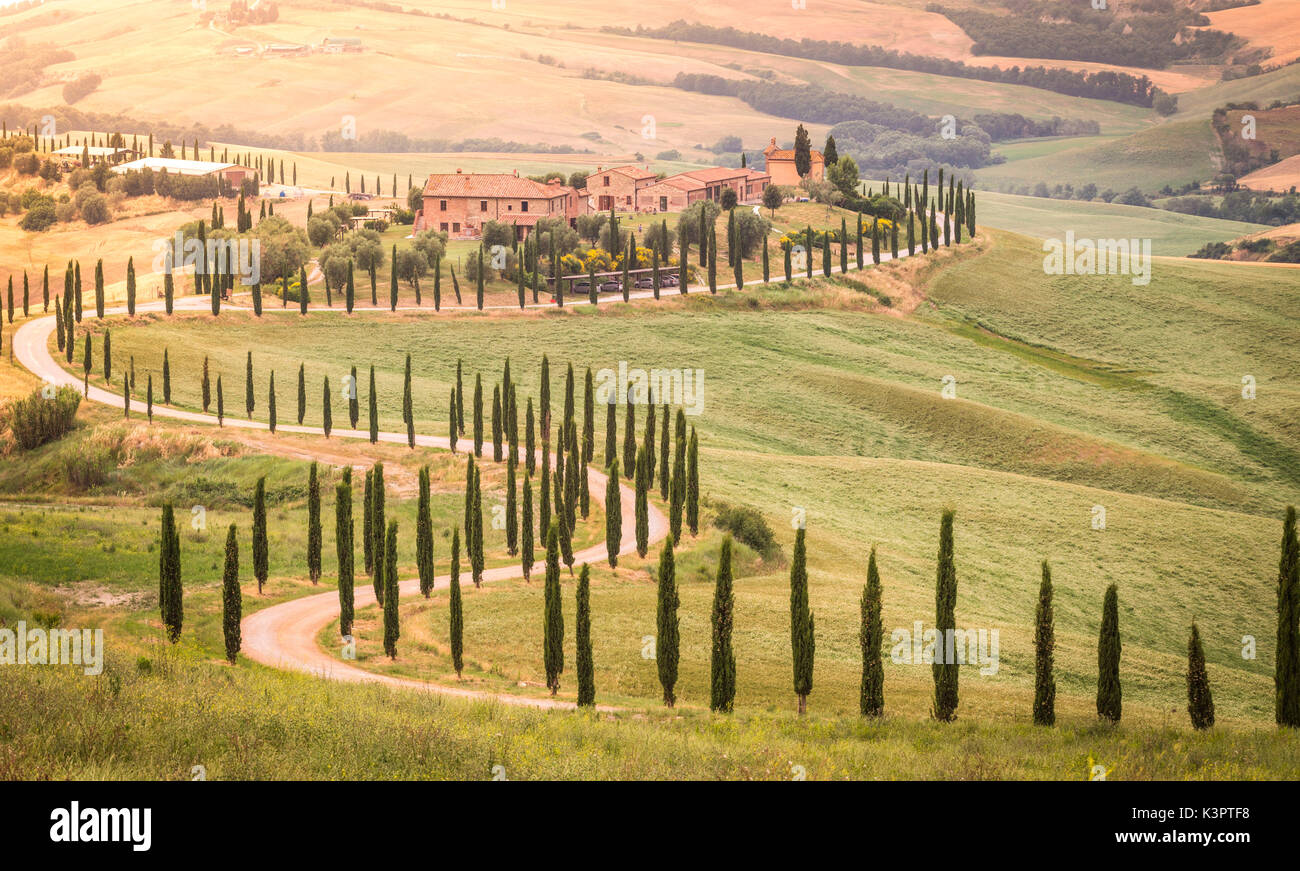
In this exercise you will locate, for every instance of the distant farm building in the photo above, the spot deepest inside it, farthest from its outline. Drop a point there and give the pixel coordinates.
(617, 188)
(460, 203)
(285, 49)
(232, 172)
(93, 154)
(340, 44)
(780, 165)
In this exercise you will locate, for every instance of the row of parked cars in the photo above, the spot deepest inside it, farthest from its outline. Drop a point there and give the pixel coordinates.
(645, 282)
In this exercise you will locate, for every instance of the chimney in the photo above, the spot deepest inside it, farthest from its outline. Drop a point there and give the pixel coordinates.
(458, 170)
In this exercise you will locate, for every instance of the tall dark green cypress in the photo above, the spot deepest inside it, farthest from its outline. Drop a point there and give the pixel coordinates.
(677, 488)
(302, 392)
(354, 401)
(1200, 704)
(1109, 693)
(553, 616)
(693, 484)
(374, 408)
(377, 527)
(261, 549)
(722, 664)
(945, 622)
(166, 379)
(408, 412)
(456, 616)
(248, 386)
(344, 549)
(326, 413)
(170, 597)
(392, 282)
(667, 630)
(611, 430)
(367, 517)
(392, 628)
(802, 641)
(582, 636)
(424, 535)
(232, 607)
(642, 478)
(629, 436)
(313, 525)
(844, 246)
(1286, 677)
(270, 403)
(871, 637)
(497, 427)
(478, 415)
(221, 404)
(530, 439)
(613, 514)
(1044, 654)
(526, 535)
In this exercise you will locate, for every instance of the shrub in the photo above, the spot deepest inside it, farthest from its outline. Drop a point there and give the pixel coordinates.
(35, 419)
(88, 465)
(94, 210)
(39, 217)
(747, 526)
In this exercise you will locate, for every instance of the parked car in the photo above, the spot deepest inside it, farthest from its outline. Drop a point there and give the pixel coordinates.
(668, 280)
(645, 282)
(611, 286)
(582, 287)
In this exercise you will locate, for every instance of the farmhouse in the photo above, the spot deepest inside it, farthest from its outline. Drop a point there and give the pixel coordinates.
(96, 154)
(461, 203)
(340, 44)
(780, 165)
(617, 187)
(676, 192)
(232, 172)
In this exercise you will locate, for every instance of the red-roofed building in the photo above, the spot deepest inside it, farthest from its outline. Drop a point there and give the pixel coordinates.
(780, 165)
(617, 187)
(461, 203)
(676, 192)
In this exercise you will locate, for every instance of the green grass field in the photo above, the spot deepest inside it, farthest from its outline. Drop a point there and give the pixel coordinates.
(1170, 233)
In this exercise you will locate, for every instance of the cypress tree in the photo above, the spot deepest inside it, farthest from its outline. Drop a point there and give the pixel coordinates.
(722, 671)
(480, 281)
(248, 386)
(893, 239)
(945, 622)
(1200, 704)
(374, 408)
(99, 289)
(149, 396)
(544, 492)
(826, 253)
(911, 234)
(377, 530)
(875, 242)
(171, 599)
(713, 259)
(497, 434)
(392, 629)
(667, 636)
(86, 362)
(611, 431)
(460, 399)
(350, 289)
(451, 420)
(802, 642)
(693, 484)
(59, 330)
(354, 403)
(424, 535)
(231, 597)
(789, 274)
(844, 246)
(408, 412)
(588, 419)
(270, 402)
(582, 635)
(1286, 678)
(642, 509)
(808, 251)
(302, 392)
(260, 547)
(367, 518)
(166, 379)
(1044, 654)
(478, 415)
(1109, 694)
(629, 437)
(767, 272)
(512, 520)
(526, 535)
(205, 385)
(857, 243)
(303, 294)
(478, 527)
(344, 549)
(677, 489)
(663, 456)
(327, 416)
(649, 441)
(553, 619)
(456, 615)
(871, 637)
(313, 525)
(392, 282)
(126, 396)
(221, 404)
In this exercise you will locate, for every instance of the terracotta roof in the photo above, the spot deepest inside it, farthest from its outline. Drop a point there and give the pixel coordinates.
(684, 182)
(752, 174)
(715, 173)
(635, 172)
(490, 186)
